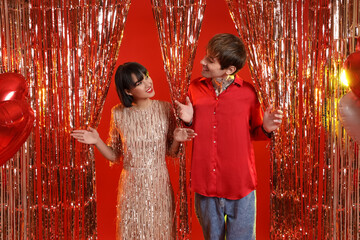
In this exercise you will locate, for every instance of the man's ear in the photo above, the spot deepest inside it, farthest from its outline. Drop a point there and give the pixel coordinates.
(127, 92)
(230, 70)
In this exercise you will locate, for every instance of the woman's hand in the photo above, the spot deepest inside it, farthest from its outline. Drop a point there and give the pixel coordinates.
(90, 136)
(185, 111)
(184, 134)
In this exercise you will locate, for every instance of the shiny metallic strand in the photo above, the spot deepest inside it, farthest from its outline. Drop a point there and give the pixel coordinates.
(67, 50)
(179, 23)
(296, 51)
(343, 153)
(17, 176)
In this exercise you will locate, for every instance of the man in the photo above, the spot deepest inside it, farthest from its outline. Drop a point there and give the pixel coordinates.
(226, 115)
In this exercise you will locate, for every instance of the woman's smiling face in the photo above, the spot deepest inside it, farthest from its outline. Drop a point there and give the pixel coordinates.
(143, 89)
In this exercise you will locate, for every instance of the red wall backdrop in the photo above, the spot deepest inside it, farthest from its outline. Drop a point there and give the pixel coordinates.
(140, 43)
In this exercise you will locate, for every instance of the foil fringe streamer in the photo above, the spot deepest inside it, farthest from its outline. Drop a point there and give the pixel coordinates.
(67, 50)
(296, 50)
(179, 24)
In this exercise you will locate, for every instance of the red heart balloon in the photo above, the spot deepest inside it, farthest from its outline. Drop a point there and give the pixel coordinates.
(352, 70)
(16, 116)
(12, 86)
(349, 111)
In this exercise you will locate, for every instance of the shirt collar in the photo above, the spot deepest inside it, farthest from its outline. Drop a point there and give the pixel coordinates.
(238, 80)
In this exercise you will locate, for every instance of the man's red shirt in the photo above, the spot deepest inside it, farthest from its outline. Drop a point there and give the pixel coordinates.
(223, 162)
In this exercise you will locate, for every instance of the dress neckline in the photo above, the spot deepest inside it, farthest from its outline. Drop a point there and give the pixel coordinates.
(137, 109)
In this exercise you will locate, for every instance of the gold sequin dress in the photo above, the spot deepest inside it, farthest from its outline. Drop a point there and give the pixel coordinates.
(141, 139)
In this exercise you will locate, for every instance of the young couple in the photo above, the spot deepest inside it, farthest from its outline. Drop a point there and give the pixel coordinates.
(225, 116)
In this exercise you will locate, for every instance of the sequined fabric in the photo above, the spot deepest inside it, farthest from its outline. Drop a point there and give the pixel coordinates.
(145, 196)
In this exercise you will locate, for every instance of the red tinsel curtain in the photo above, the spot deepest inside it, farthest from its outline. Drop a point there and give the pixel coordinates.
(179, 24)
(296, 51)
(67, 50)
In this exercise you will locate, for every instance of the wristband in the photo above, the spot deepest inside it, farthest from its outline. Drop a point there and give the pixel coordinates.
(268, 134)
(188, 124)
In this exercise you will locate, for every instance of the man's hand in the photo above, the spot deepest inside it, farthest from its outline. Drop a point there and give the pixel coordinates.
(185, 112)
(272, 119)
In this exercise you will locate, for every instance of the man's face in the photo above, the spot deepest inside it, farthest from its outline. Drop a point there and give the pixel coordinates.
(212, 68)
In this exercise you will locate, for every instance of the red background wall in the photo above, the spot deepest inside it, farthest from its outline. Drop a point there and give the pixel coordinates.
(140, 43)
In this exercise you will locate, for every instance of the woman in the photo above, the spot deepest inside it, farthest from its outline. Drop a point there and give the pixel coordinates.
(141, 133)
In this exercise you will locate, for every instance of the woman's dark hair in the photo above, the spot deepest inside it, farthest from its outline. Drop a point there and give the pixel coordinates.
(124, 81)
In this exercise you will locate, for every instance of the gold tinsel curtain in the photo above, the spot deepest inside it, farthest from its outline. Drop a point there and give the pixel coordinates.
(67, 50)
(296, 51)
(179, 23)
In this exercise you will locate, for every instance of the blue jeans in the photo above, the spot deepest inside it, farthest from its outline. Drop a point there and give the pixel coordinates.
(240, 221)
